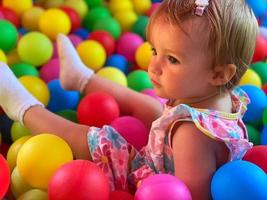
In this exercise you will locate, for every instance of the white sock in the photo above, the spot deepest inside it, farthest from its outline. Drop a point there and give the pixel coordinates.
(14, 98)
(74, 75)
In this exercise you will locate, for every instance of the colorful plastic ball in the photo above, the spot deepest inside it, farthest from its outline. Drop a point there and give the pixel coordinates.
(35, 48)
(61, 23)
(138, 80)
(264, 136)
(11, 16)
(253, 135)
(13, 57)
(113, 74)
(37, 87)
(132, 129)
(143, 55)
(53, 3)
(3, 57)
(108, 24)
(75, 39)
(116, 6)
(139, 27)
(50, 71)
(18, 185)
(5, 176)
(128, 44)
(151, 92)
(162, 186)
(261, 69)
(61, 99)
(30, 18)
(104, 38)
(126, 19)
(259, 7)
(8, 35)
(94, 3)
(74, 17)
(19, 6)
(118, 61)
(39, 158)
(239, 180)
(79, 179)
(121, 195)
(82, 33)
(97, 109)
(141, 6)
(92, 54)
(24, 69)
(68, 114)
(34, 194)
(251, 77)
(260, 49)
(152, 9)
(18, 130)
(79, 6)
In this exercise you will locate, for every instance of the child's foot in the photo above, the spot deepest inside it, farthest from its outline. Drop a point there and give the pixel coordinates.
(14, 98)
(74, 75)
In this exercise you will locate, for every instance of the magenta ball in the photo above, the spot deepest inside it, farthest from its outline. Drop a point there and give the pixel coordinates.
(152, 9)
(128, 44)
(151, 92)
(55, 53)
(132, 129)
(162, 186)
(50, 71)
(79, 179)
(75, 39)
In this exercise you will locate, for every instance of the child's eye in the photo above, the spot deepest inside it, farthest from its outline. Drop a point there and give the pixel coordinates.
(173, 60)
(154, 52)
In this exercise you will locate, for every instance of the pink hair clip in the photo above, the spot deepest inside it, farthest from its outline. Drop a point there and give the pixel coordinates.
(201, 6)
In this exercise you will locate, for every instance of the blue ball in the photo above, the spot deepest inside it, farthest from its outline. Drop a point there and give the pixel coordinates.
(259, 7)
(118, 61)
(82, 33)
(155, 1)
(61, 99)
(239, 180)
(264, 136)
(257, 105)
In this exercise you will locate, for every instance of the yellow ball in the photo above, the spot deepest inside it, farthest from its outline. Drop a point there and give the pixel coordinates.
(19, 6)
(18, 130)
(113, 74)
(30, 18)
(126, 19)
(3, 57)
(252, 78)
(33, 195)
(13, 151)
(40, 157)
(53, 3)
(79, 6)
(92, 54)
(119, 6)
(54, 21)
(18, 185)
(141, 6)
(37, 87)
(143, 55)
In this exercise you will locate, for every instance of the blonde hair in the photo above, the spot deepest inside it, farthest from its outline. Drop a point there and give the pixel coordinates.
(232, 30)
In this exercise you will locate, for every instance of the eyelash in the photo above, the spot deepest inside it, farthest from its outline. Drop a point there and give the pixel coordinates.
(171, 59)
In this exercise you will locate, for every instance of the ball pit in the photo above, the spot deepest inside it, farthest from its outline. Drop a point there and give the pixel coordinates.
(8, 35)
(50, 71)
(18, 130)
(113, 74)
(34, 194)
(10, 15)
(19, 6)
(5, 176)
(138, 80)
(30, 18)
(24, 69)
(118, 61)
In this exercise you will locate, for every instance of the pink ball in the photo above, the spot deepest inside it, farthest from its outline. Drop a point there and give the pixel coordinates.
(151, 92)
(55, 53)
(128, 44)
(50, 70)
(132, 129)
(79, 179)
(162, 186)
(75, 39)
(152, 9)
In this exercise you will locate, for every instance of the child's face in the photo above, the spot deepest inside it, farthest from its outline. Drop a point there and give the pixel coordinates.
(181, 66)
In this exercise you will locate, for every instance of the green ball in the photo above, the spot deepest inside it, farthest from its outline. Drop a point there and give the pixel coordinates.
(139, 27)
(261, 69)
(93, 15)
(18, 131)
(254, 135)
(8, 35)
(264, 117)
(93, 3)
(68, 114)
(139, 80)
(110, 25)
(24, 69)
(35, 48)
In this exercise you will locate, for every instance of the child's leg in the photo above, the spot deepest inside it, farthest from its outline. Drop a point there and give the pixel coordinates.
(74, 75)
(21, 106)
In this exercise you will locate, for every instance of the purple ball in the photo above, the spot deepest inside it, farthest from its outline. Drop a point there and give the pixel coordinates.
(128, 44)
(132, 129)
(162, 186)
(50, 70)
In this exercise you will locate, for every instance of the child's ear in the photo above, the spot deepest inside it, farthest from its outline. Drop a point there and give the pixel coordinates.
(222, 74)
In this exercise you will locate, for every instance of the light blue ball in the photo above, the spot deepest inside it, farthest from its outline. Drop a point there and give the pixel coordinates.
(118, 61)
(239, 180)
(259, 7)
(61, 99)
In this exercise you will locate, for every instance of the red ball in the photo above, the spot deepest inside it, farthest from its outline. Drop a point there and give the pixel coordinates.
(74, 17)
(264, 88)
(105, 38)
(10, 15)
(258, 156)
(79, 179)
(4, 176)
(120, 195)
(261, 49)
(97, 109)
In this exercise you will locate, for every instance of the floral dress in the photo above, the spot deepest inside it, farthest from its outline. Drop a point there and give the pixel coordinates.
(125, 166)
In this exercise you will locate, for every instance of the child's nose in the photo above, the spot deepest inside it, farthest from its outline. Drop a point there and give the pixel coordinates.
(155, 66)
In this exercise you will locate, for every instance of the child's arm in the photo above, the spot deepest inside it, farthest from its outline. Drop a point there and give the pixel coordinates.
(194, 159)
